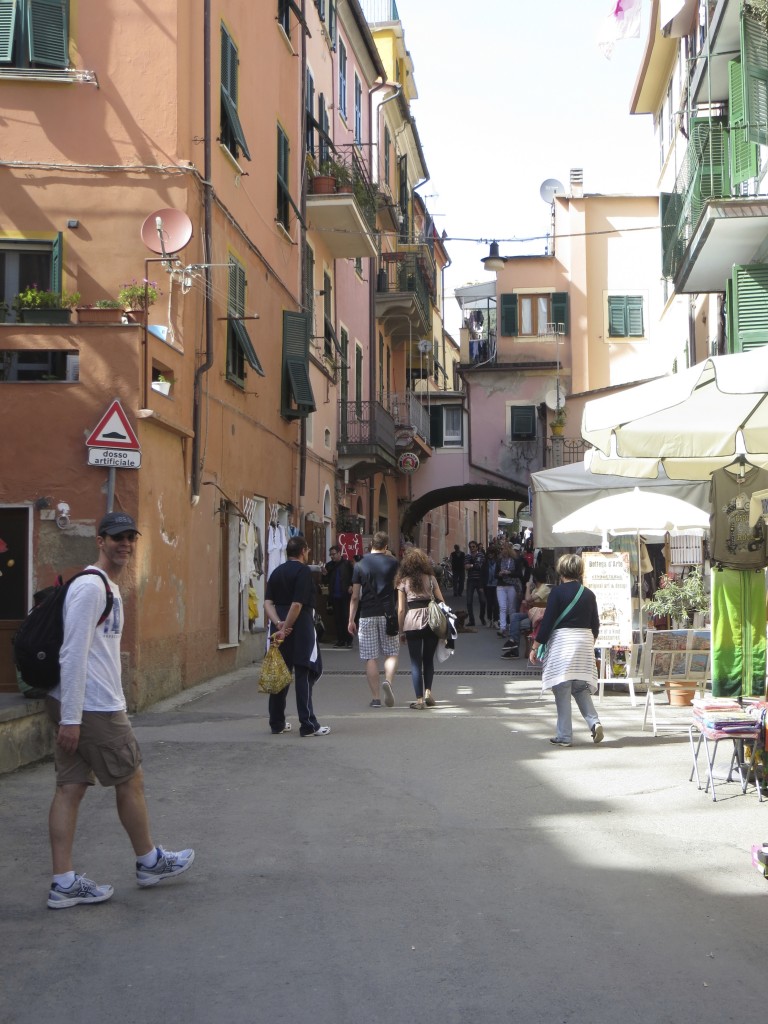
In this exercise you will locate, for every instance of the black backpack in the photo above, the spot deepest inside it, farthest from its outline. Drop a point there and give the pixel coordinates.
(38, 640)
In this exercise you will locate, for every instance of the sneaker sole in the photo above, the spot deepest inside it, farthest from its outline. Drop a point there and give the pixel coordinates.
(389, 697)
(156, 879)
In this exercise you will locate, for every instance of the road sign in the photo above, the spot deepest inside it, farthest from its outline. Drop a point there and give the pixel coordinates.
(114, 458)
(113, 431)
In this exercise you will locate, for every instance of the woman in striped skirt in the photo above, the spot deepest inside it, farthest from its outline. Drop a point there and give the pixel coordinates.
(570, 628)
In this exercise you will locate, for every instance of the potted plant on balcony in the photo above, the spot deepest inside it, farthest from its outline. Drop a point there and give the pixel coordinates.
(343, 175)
(3, 310)
(136, 297)
(558, 422)
(34, 305)
(103, 311)
(323, 182)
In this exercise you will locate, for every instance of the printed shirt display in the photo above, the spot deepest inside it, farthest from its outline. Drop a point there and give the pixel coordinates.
(733, 542)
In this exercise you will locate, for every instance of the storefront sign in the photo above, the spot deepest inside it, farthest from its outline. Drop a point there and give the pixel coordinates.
(607, 575)
(408, 462)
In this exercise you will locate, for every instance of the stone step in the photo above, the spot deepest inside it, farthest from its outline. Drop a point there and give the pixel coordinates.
(26, 734)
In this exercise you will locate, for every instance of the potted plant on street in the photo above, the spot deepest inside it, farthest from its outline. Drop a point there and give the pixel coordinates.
(35, 305)
(678, 601)
(136, 297)
(103, 311)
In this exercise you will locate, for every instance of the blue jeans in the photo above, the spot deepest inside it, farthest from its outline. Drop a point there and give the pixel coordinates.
(580, 692)
(518, 621)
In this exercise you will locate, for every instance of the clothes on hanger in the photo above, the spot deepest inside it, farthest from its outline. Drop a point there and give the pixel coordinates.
(733, 543)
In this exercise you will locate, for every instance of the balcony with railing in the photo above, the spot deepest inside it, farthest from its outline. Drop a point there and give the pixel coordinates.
(406, 285)
(708, 224)
(366, 438)
(377, 11)
(410, 414)
(341, 201)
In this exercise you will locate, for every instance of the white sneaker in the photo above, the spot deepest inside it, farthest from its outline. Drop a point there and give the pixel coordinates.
(82, 890)
(168, 866)
(322, 731)
(389, 697)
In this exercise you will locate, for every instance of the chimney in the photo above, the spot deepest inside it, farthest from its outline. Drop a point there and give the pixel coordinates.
(577, 182)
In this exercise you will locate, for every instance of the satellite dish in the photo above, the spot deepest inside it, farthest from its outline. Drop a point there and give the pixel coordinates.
(550, 399)
(166, 231)
(551, 188)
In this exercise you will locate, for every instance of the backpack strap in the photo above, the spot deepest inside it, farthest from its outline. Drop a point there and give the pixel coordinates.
(110, 597)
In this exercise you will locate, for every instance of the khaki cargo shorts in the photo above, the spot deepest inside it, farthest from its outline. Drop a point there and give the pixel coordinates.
(108, 749)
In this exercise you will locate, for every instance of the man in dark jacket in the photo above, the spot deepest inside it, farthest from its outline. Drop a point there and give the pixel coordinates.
(457, 568)
(289, 604)
(477, 575)
(338, 575)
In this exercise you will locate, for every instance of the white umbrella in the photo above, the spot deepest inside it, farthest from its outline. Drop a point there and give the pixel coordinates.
(692, 422)
(634, 512)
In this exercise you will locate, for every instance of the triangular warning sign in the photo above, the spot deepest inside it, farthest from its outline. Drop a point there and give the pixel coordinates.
(114, 431)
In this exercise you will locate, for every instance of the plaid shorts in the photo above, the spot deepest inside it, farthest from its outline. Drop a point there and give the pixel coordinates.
(373, 639)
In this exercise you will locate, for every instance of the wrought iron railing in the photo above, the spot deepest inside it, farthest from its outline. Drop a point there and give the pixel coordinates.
(564, 451)
(366, 423)
(703, 176)
(344, 164)
(410, 268)
(380, 10)
(408, 411)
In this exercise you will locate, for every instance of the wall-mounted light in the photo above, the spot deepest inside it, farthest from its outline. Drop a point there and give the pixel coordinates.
(73, 223)
(493, 261)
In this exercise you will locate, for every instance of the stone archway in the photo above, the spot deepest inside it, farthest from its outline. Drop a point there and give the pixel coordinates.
(419, 507)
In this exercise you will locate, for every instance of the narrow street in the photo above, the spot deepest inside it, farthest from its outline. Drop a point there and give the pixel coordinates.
(445, 866)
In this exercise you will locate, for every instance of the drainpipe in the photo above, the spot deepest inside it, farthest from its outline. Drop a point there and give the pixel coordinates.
(303, 256)
(207, 254)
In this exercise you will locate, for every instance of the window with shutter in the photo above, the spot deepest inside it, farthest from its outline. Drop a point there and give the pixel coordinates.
(239, 347)
(358, 111)
(708, 164)
(452, 425)
(508, 317)
(284, 16)
(310, 114)
(232, 135)
(359, 380)
(298, 399)
(625, 316)
(26, 262)
(744, 155)
(522, 422)
(754, 56)
(749, 317)
(559, 308)
(342, 80)
(436, 426)
(283, 193)
(34, 33)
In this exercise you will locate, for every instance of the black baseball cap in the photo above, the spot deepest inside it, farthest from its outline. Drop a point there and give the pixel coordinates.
(117, 522)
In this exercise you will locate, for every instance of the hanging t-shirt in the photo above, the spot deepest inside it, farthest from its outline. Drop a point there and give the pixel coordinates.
(733, 542)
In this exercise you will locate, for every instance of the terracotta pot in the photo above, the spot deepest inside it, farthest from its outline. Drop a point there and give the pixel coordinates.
(680, 692)
(135, 316)
(323, 185)
(95, 315)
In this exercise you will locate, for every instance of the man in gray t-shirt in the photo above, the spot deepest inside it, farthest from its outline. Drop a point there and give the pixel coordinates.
(373, 592)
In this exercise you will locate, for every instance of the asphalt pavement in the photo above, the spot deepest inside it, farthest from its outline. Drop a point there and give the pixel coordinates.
(448, 865)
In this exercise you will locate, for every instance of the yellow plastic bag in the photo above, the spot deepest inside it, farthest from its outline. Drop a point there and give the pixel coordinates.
(275, 674)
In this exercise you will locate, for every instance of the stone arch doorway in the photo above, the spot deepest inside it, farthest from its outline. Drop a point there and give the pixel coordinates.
(419, 507)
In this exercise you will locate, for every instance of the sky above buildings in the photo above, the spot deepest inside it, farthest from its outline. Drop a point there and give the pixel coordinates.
(512, 93)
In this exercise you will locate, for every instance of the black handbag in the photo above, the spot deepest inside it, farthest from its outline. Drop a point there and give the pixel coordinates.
(319, 625)
(391, 626)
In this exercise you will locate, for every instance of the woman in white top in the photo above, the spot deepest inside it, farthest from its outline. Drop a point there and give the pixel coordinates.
(416, 586)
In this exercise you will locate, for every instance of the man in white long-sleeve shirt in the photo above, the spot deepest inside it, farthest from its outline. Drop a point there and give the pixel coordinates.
(94, 738)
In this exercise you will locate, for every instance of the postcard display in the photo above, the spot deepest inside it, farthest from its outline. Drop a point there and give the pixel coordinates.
(676, 655)
(738, 557)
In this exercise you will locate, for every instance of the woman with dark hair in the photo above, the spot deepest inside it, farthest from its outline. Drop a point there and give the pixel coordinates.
(416, 585)
(570, 627)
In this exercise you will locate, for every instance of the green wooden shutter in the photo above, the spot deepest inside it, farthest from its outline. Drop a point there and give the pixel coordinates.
(7, 30)
(48, 32)
(236, 288)
(298, 399)
(56, 250)
(560, 309)
(730, 319)
(754, 55)
(436, 426)
(635, 326)
(749, 297)
(229, 87)
(508, 318)
(744, 154)
(617, 316)
(708, 163)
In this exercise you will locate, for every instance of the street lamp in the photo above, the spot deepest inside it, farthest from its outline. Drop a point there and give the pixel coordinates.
(493, 261)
